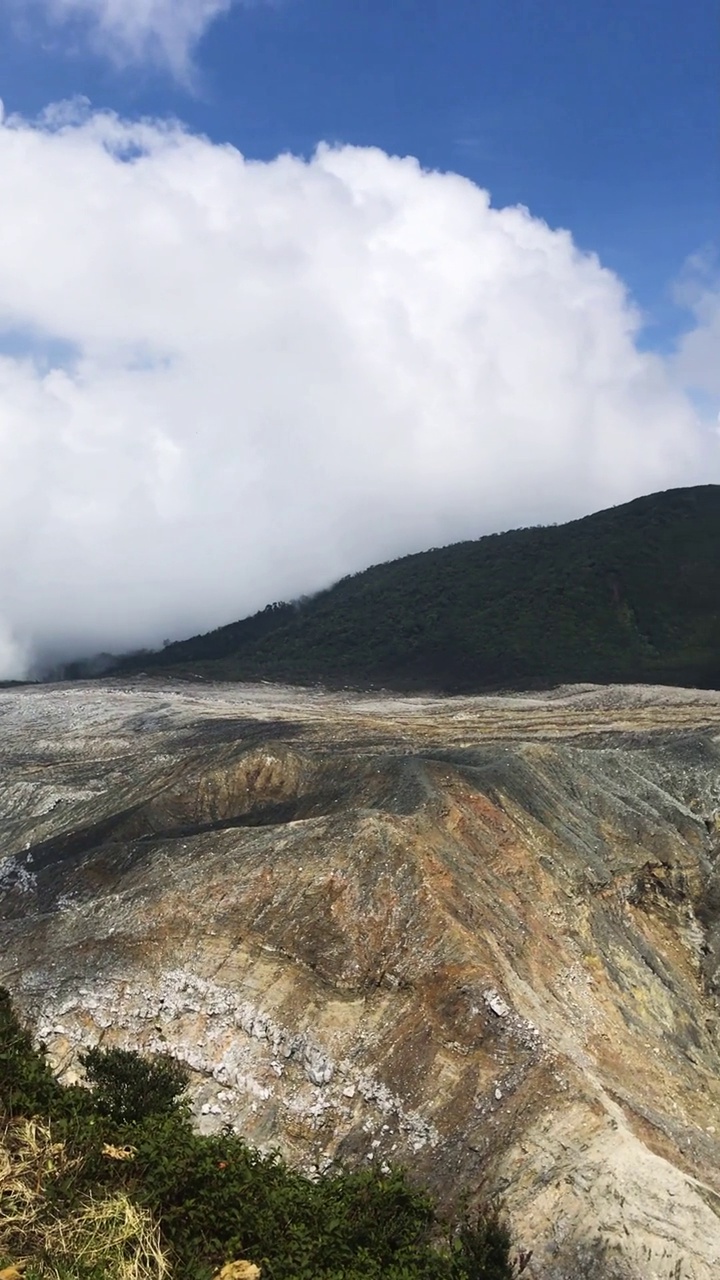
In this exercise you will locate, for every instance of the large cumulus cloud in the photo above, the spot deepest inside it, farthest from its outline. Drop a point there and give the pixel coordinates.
(225, 382)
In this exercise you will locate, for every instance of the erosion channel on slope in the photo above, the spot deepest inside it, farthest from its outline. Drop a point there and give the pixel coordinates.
(480, 936)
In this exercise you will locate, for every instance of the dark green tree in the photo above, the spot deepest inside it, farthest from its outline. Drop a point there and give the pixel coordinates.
(129, 1089)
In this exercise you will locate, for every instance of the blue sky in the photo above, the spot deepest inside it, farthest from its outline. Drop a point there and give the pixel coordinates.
(217, 334)
(600, 116)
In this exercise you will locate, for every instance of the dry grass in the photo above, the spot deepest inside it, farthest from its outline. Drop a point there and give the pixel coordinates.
(112, 1238)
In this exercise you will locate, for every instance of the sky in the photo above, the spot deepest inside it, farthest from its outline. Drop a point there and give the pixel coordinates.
(289, 287)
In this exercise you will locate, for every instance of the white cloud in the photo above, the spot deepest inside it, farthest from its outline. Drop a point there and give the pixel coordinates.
(130, 31)
(228, 382)
(697, 360)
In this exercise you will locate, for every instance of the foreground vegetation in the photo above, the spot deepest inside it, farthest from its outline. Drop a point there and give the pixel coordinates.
(629, 594)
(111, 1182)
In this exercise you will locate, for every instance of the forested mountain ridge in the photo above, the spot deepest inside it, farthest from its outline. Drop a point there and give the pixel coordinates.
(627, 594)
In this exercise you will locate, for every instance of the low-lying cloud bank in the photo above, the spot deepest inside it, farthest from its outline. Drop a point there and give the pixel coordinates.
(225, 382)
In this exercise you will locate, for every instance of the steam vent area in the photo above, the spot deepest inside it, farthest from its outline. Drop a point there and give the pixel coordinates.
(479, 937)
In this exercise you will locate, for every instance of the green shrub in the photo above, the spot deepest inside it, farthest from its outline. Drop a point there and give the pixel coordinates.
(481, 1248)
(128, 1088)
(27, 1085)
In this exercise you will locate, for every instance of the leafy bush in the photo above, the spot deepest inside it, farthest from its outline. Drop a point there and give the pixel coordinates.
(128, 1088)
(126, 1149)
(482, 1248)
(28, 1085)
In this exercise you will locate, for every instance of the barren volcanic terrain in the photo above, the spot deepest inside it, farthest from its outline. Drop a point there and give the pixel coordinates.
(477, 935)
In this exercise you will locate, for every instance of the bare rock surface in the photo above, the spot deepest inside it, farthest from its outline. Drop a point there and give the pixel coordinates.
(478, 935)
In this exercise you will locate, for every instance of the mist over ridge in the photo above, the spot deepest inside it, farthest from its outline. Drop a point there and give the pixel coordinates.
(627, 595)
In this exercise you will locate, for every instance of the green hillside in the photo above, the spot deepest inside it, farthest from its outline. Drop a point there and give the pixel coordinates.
(628, 594)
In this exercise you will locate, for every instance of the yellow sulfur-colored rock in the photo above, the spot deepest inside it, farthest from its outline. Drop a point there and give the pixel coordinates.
(117, 1153)
(236, 1271)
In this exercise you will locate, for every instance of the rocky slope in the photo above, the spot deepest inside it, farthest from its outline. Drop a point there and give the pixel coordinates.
(478, 935)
